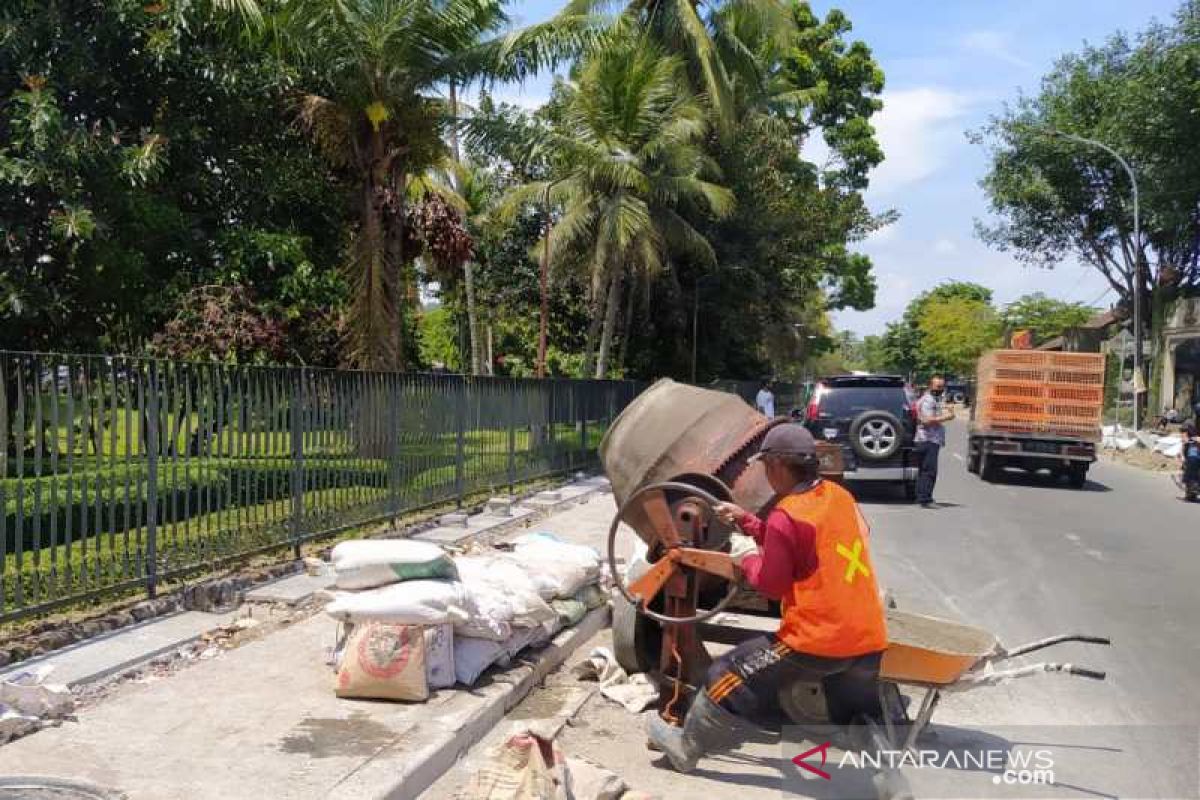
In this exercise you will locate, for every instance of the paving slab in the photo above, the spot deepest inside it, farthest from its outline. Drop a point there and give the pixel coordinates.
(291, 590)
(112, 653)
(262, 721)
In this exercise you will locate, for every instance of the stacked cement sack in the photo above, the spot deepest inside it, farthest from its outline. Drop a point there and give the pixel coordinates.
(421, 620)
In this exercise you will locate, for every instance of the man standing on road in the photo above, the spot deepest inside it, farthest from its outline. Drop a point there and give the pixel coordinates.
(812, 556)
(764, 401)
(930, 438)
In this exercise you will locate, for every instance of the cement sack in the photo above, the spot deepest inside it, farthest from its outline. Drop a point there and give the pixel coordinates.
(28, 692)
(557, 568)
(383, 661)
(408, 603)
(590, 781)
(526, 767)
(569, 611)
(522, 639)
(500, 584)
(439, 656)
(592, 596)
(473, 656)
(367, 563)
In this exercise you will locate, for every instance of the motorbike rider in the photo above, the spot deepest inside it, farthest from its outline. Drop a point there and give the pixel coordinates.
(812, 556)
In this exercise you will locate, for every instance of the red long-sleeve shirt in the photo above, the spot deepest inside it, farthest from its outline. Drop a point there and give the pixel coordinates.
(787, 552)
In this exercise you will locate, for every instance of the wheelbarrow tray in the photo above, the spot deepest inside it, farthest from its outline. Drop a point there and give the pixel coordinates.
(930, 651)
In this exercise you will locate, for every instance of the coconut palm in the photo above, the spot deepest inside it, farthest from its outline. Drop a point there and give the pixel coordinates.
(707, 35)
(371, 73)
(629, 171)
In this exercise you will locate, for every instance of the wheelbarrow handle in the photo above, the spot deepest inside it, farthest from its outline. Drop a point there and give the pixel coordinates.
(1052, 640)
(1084, 672)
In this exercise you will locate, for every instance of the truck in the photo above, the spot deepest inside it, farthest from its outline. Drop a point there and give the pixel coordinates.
(1036, 410)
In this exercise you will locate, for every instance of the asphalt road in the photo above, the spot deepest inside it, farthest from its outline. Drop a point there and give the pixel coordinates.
(1024, 558)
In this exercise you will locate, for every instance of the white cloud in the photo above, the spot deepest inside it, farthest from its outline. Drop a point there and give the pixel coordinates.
(945, 247)
(918, 129)
(993, 44)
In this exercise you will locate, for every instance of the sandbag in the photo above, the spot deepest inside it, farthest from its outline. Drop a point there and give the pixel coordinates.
(592, 596)
(521, 639)
(367, 563)
(473, 656)
(558, 569)
(383, 661)
(439, 656)
(569, 611)
(409, 603)
(503, 589)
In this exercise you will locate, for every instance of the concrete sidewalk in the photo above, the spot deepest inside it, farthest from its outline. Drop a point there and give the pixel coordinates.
(262, 721)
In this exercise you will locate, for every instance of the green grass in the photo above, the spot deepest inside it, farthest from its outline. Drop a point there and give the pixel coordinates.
(338, 492)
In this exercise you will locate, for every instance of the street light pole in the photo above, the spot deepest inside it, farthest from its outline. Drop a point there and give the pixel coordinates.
(1137, 261)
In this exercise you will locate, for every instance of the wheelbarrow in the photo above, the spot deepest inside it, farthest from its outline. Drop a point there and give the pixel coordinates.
(668, 609)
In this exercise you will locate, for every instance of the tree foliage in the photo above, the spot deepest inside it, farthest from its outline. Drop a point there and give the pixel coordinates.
(1056, 197)
(955, 330)
(904, 341)
(1045, 317)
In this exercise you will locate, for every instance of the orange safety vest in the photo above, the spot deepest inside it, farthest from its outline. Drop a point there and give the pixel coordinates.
(835, 611)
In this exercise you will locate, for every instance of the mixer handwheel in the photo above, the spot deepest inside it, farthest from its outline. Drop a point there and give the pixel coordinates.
(678, 552)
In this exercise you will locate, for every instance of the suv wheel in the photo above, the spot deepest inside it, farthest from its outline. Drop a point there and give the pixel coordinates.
(876, 435)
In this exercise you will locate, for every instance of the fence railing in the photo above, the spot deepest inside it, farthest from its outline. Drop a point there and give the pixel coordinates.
(119, 472)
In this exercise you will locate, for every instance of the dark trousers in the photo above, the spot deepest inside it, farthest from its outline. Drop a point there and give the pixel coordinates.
(927, 465)
(747, 679)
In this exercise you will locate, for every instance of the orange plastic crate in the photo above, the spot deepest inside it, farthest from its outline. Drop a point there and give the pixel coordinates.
(1011, 390)
(1020, 358)
(1081, 394)
(1076, 377)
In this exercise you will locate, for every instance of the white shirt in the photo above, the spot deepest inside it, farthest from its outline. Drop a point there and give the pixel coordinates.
(765, 401)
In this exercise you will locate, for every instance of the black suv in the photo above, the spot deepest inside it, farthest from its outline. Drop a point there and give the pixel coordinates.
(873, 419)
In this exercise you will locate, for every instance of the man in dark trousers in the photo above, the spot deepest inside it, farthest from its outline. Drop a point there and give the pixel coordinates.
(930, 438)
(812, 556)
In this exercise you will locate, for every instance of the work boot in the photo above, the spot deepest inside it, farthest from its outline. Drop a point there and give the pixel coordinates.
(707, 728)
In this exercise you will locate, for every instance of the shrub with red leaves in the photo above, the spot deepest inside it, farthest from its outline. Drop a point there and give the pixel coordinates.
(221, 323)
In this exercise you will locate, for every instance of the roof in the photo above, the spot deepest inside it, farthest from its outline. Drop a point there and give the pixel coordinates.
(1057, 343)
(1104, 319)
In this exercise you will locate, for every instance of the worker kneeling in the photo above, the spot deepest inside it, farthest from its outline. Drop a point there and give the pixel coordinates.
(812, 556)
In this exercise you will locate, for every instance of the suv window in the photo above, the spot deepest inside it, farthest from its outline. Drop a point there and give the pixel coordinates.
(850, 401)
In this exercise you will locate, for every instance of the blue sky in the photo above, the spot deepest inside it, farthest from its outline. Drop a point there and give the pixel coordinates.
(948, 65)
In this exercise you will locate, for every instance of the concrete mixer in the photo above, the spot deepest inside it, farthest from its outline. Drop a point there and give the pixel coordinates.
(672, 455)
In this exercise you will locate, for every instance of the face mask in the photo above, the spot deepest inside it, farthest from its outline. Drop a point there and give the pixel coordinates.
(937, 392)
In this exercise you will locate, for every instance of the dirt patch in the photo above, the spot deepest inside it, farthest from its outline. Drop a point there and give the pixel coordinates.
(355, 735)
(1143, 458)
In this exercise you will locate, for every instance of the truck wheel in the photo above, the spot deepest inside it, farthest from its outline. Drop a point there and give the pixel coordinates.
(1077, 476)
(989, 469)
(973, 463)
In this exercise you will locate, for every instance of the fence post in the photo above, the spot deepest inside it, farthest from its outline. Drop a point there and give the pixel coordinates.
(459, 439)
(581, 409)
(150, 442)
(512, 435)
(394, 472)
(297, 426)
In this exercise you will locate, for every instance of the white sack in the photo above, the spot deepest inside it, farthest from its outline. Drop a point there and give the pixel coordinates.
(558, 568)
(503, 589)
(366, 563)
(473, 656)
(408, 603)
(27, 692)
(439, 656)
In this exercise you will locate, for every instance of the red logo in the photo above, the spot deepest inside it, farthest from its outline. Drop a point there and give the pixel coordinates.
(821, 748)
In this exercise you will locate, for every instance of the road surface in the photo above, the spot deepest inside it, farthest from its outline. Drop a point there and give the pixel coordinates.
(1025, 558)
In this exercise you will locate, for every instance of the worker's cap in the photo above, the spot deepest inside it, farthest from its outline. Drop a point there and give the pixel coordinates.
(786, 439)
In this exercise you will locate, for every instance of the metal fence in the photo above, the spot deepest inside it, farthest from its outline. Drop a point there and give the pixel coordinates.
(121, 472)
(787, 395)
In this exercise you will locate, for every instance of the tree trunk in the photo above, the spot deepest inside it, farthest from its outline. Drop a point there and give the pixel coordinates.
(626, 328)
(610, 324)
(473, 320)
(596, 317)
(1160, 297)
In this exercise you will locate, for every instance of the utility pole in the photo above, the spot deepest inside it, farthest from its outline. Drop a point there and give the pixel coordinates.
(1137, 263)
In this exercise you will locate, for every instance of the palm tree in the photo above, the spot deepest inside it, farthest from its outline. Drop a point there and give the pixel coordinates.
(629, 171)
(371, 73)
(707, 36)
